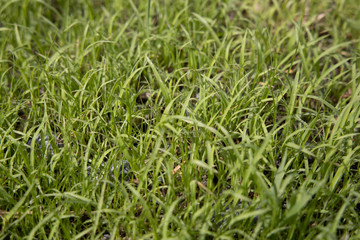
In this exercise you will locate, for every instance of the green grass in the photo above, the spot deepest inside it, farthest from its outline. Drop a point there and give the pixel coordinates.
(240, 119)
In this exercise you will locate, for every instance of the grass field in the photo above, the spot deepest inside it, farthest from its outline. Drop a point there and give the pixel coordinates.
(185, 119)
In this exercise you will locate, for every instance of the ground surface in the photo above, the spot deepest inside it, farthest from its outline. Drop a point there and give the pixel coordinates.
(179, 119)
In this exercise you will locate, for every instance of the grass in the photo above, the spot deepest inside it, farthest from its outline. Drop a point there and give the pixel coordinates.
(239, 119)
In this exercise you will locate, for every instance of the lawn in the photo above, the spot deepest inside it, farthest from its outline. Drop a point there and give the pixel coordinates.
(130, 119)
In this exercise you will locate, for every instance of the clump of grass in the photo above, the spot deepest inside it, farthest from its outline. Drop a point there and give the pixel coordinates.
(238, 119)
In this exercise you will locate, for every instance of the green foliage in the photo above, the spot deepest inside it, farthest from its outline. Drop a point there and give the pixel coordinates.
(239, 119)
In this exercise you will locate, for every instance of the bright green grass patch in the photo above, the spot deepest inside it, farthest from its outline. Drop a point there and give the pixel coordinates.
(239, 119)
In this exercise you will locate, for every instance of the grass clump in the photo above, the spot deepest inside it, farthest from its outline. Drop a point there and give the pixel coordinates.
(179, 119)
